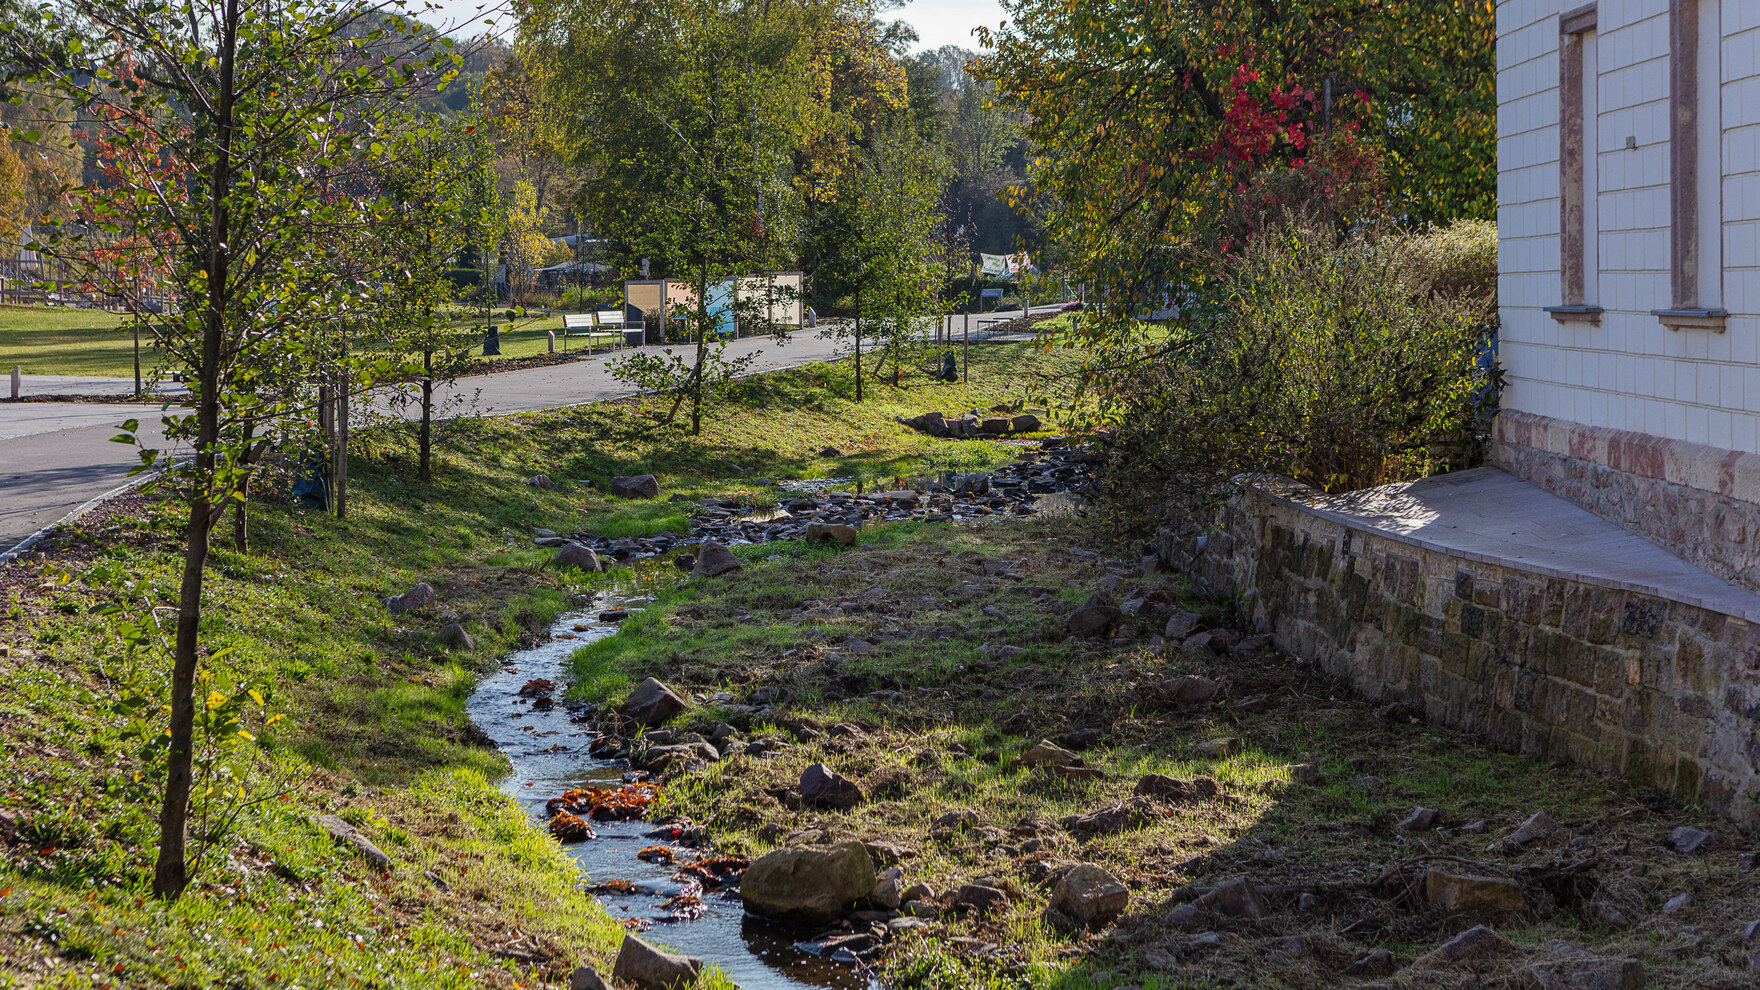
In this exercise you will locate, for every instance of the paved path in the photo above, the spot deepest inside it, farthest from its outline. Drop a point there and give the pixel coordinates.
(56, 456)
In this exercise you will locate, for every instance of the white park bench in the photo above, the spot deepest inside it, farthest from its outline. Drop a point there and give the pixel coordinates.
(603, 327)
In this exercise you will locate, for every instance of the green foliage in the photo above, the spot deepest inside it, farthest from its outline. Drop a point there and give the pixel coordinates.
(686, 110)
(882, 250)
(1334, 362)
(248, 136)
(1459, 260)
(1167, 131)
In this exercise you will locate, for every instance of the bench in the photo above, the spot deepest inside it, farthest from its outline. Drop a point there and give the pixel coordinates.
(589, 325)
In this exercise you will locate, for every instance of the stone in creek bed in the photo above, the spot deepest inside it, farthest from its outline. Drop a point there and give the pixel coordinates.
(614, 615)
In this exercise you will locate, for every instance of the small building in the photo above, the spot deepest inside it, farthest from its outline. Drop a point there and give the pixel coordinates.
(1629, 228)
(1591, 595)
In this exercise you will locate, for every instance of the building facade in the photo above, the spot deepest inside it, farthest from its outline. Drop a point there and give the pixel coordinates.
(1629, 266)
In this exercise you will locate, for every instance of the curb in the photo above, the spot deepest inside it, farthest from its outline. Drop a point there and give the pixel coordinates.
(30, 541)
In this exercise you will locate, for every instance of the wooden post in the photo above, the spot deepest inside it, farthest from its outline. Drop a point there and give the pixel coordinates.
(339, 486)
(17, 380)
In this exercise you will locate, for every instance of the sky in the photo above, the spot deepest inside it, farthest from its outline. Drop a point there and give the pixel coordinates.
(950, 22)
(938, 22)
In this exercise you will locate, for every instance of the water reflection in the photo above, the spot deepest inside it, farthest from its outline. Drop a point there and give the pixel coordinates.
(547, 747)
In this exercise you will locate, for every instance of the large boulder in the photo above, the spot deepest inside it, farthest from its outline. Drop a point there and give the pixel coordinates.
(932, 423)
(808, 885)
(1569, 967)
(1048, 754)
(348, 835)
(837, 532)
(1477, 949)
(642, 965)
(1091, 620)
(1087, 897)
(825, 788)
(653, 703)
(1237, 898)
(996, 424)
(1182, 624)
(577, 556)
(1026, 423)
(636, 486)
(1463, 893)
(418, 597)
(1188, 689)
(713, 560)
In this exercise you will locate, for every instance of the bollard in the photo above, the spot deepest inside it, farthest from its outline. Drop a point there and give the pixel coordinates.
(553, 342)
(17, 380)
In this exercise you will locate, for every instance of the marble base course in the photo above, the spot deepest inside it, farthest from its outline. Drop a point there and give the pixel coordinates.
(1664, 693)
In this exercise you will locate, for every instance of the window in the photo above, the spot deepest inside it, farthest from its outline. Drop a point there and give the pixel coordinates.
(1577, 184)
(1695, 167)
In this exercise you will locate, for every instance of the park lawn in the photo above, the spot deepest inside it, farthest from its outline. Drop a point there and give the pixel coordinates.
(91, 342)
(65, 341)
(375, 725)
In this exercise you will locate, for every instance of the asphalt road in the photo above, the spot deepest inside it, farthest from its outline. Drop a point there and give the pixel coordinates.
(56, 456)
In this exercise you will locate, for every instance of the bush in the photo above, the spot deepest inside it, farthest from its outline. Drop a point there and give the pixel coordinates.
(1341, 362)
(1458, 261)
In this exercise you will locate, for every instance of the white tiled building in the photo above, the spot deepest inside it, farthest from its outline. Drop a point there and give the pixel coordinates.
(1629, 221)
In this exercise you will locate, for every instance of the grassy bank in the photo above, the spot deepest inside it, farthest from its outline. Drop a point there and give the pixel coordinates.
(922, 662)
(374, 723)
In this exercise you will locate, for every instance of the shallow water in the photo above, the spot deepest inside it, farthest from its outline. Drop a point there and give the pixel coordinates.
(548, 750)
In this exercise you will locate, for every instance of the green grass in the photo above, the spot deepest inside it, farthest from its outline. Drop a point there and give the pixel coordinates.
(640, 521)
(59, 341)
(374, 703)
(65, 341)
(758, 631)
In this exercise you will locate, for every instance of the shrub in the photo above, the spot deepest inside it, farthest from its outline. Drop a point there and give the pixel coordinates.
(1341, 362)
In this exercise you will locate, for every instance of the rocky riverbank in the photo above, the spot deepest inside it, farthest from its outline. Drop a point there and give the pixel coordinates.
(1054, 479)
(936, 764)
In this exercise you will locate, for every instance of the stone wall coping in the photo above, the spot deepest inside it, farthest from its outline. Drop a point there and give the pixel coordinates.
(1490, 517)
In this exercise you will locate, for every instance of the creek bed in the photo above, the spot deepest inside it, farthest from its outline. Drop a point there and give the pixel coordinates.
(547, 747)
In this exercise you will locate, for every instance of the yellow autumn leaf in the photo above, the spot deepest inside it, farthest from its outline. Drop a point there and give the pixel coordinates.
(215, 700)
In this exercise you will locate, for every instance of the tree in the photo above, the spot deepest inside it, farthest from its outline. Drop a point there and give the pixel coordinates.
(1168, 130)
(438, 186)
(882, 249)
(685, 111)
(262, 109)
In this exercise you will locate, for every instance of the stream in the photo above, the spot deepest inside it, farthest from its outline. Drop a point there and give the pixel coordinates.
(548, 750)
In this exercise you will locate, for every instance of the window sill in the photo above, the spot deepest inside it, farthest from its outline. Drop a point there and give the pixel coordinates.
(1693, 319)
(1576, 314)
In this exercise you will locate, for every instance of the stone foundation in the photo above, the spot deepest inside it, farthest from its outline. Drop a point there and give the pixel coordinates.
(1665, 693)
(1700, 503)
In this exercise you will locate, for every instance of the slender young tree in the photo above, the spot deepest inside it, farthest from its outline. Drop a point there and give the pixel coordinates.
(881, 249)
(438, 188)
(685, 111)
(261, 108)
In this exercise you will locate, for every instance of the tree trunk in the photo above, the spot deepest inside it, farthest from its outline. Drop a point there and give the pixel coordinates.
(240, 516)
(427, 430)
(137, 357)
(858, 344)
(340, 494)
(171, 872)
(702, 351)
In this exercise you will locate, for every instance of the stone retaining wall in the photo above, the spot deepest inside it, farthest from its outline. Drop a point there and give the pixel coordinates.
(1664, 693)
